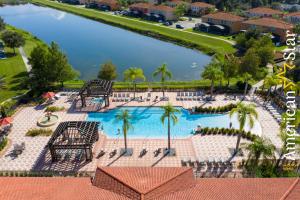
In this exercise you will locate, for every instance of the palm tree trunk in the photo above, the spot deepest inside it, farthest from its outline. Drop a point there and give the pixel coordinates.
(134, 89)
(163, 89)
(237, 144)
(228, 82)
(125, 138)
(14, 51)
(246, 88)
(169, 134)
(211, 89)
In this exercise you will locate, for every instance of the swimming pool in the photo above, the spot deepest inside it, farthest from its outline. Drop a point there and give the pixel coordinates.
(146, 122)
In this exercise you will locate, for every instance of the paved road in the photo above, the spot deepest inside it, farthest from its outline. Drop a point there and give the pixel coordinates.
(25, 59)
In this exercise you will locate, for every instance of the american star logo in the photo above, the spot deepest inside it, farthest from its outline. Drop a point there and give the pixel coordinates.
(281, 75)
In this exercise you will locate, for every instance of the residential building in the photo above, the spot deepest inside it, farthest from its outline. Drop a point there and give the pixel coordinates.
(263, 12)
(174, 3)
(111, 4)
(163, 10)
(230, 21)
(140, 7)
(293, 18)
(276, 27)
(145, 183)
(200, 8)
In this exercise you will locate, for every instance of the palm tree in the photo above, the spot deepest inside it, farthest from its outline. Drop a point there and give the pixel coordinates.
(213, 73)
(170, 114)
(260, 147)
(269, 82)
(164, 74)
(133, 74)
(245, 113)
(246, 77)
(125, 117)
(2, 82)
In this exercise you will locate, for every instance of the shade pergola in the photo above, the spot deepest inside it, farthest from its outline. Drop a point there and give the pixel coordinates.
(74, 135)
(96, 88)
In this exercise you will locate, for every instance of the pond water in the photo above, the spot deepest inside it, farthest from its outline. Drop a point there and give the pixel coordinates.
(88, 43)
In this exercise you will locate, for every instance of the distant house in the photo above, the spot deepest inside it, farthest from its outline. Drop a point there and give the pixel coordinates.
(165, 11)
(111, 4)
(277, 27)
(293, 18)
(174, 3)
(200, 8)
(140, 7)
(227, 20)
(263, 12)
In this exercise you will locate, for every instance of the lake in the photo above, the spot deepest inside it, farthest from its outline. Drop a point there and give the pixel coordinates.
(88, 43)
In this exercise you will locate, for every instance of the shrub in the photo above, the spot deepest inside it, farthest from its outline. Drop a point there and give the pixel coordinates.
(54, 109)
(39, 132)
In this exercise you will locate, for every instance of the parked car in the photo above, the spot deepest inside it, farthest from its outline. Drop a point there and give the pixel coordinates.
(179, 26)
(166, 24)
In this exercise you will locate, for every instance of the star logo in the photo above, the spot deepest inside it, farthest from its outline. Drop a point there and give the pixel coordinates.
(281, 76)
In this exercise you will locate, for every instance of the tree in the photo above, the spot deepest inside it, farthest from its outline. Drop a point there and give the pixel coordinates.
(133, 74)
(62, 70)
(164, 73)
(212, 72)
(269, 82)
(249, 67)
(123, 3)
(245, 114)
(260, 147)
(107, 71)
(13, 40)
(125, 117)
(170, 114)
(180, 10)
(297, 28)
(2, 24)
(230, 68)
(49, 66)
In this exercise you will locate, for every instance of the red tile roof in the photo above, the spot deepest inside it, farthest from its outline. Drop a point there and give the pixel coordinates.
(224, 16)
(141, 5)
(270, 22)
(202, 5)
(157, 183)
(294, 14)
(163, 8)
(264, 10)
(109, 1)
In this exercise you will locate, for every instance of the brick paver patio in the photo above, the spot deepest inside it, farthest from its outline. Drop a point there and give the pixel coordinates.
(36, 156)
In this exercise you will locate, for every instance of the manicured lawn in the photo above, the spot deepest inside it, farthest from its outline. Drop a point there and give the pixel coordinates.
(13, 68)
(203, 43)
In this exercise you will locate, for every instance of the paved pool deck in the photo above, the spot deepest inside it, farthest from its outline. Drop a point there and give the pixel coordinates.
(36, 155)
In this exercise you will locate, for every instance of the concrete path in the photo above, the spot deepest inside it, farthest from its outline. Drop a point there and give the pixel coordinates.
(25, 59)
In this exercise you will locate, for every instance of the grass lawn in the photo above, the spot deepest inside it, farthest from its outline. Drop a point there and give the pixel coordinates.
(13, 68)
(228, 37)
(205, 44)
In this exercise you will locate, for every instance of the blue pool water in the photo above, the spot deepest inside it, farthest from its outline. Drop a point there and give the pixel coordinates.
(146, 122)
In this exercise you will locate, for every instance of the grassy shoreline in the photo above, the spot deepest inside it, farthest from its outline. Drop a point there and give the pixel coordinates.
(13, 68)
(184, 38)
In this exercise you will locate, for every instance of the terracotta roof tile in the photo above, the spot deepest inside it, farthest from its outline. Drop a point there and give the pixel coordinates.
(144, 179)
(224, 16)
(141, 5)
(202, 5)
(294, 14)
(269, 22)
(163, 8)
(264, 10)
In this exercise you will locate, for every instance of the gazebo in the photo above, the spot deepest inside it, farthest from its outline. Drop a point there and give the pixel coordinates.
(96, 88)
(74, 136)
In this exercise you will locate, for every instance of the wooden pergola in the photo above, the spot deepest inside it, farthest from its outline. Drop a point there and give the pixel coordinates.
(74, 135)
(96, 88)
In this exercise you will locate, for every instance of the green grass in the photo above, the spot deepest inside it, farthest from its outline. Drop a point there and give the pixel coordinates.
(228, 37)
(13, 68)
(207, 45)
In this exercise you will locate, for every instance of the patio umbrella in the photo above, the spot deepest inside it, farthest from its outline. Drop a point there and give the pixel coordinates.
(48, 95)
(6, 121)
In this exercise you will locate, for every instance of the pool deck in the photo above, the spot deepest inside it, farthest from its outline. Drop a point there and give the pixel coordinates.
(36, 156)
